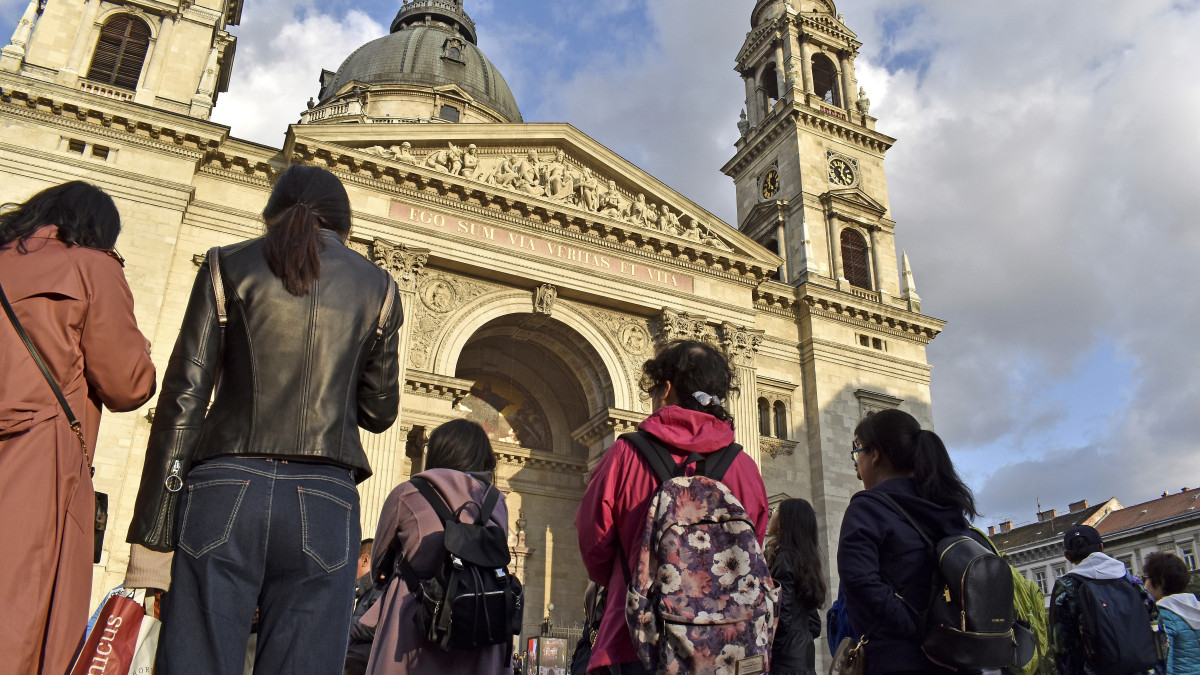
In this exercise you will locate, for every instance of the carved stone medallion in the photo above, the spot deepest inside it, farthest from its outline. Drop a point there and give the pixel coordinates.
(634, 339)
(439, 295)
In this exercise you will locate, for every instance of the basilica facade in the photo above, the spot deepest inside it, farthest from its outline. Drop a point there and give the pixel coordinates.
(538, 268)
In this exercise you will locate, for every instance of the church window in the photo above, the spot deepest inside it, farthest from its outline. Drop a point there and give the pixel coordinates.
(449, 113)
(878, 344)
(120, 52)
(1039, 576)
(770, 84)
(764, 417)
(864, 340)
(100, 151)
(780, 420)
(825, 79)
(76, 145)
(1187, 551)
(855, 268)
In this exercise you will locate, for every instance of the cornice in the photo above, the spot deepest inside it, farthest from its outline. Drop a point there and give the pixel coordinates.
(852, 310)
(507, 453)
(408, 180)
(442, 387)
(852, 356)
(788, 115)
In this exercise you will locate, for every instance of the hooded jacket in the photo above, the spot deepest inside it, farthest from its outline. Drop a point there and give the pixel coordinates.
(612, 516)
(1179, 616)
(1065, 642)
(887, 571)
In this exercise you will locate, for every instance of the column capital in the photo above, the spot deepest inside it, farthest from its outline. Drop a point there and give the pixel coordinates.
(684, 326)
(405, 264)
(740, 344)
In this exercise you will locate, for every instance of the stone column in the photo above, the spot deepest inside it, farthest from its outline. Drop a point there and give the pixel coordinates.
(849, 90)
(806, 67)
(750, 101)
(386, 451)
(835, 250)
(85, 36)
(202, 100)
(875, 266)
(780, 70)
(741, 347)
(13, 55)
(158, 58)
(780, 236)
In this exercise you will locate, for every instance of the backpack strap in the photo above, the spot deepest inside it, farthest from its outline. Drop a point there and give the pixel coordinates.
(717, 463)
(434, 497)
(657, 456)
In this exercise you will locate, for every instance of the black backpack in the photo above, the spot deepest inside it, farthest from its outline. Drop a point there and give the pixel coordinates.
(471, 601)
(1114, 624)
(968, 624)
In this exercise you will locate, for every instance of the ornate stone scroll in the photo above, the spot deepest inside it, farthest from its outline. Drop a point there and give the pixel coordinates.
(683, 326)
(740, 344)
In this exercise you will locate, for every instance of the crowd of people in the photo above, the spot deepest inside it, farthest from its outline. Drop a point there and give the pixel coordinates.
(246, 519)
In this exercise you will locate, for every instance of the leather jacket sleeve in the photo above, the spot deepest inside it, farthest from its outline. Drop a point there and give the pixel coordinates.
(379, 386)
(186, 390)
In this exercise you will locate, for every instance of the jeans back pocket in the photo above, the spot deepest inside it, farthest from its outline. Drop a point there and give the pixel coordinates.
(325, 528)
(212, 507)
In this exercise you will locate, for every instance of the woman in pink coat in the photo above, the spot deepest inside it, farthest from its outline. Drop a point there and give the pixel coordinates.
(459, 464)
(686, 381)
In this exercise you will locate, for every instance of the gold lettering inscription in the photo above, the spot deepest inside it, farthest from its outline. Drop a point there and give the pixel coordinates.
(579, 257)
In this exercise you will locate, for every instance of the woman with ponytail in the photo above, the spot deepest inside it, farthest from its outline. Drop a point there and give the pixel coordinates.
(688, 384)
(795, 561)
(884, 564)
(293, 336)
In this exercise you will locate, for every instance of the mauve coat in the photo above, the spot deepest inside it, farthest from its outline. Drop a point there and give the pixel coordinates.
(408, 526)
(77, 308)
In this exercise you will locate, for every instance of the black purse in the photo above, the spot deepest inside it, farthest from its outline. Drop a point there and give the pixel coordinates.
(101, 498)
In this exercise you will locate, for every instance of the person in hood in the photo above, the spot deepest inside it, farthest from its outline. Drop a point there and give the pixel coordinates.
(1165, 577)
(459, 463)
(884, 564)
(1083, 548)
(612, 516)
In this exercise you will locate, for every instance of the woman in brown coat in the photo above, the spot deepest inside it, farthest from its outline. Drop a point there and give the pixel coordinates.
(66, 287)
(459, 464)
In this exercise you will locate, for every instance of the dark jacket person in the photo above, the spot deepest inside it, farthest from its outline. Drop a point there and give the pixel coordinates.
(885, 567)
(262, 483)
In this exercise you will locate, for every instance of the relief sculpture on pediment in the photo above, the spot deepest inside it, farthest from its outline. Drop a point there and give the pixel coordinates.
(557, 179)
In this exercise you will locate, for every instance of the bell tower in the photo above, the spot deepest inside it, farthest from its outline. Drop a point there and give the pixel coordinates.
(174, 55)
(809, 163)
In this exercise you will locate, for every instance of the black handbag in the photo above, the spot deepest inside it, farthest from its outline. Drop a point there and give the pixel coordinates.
(101, 498)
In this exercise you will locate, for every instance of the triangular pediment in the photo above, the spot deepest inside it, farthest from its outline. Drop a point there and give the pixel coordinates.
(853, 199)
(550, 168)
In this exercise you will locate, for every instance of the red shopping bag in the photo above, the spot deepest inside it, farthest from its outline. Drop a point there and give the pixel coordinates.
(110, 648)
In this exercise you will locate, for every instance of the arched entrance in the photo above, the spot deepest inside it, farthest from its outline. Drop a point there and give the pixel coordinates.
(536, 380)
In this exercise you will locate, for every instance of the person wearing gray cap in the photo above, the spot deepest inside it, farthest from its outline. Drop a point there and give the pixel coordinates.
(1100, 615)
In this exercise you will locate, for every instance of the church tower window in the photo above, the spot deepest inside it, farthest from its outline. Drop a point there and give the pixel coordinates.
(825, 79)
(764, 417)
(120, 52)
(855, 267)
(770, 85)
(781, 426)
(449, 113)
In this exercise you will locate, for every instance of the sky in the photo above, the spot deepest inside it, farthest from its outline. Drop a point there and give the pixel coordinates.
(1044, 185)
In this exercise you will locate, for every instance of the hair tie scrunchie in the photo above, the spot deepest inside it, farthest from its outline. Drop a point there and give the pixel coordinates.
(705, 399)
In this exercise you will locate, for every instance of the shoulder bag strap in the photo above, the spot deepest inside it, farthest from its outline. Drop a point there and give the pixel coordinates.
(214, 272)
(41, 364)
(435, 499)
(385, 312)
(489, 505)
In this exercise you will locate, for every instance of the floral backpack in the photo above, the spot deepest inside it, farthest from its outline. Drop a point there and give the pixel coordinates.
(700, 599)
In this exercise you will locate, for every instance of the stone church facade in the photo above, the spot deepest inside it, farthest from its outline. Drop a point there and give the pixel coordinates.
(538, 268)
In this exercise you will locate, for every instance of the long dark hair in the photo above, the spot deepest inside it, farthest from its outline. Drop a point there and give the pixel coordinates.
(910, 448)
(691, 366)
(794, 548)
(85, 216)
(304, 199)
(461, 445)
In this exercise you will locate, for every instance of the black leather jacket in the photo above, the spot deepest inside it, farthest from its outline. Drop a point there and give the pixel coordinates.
(298, 375)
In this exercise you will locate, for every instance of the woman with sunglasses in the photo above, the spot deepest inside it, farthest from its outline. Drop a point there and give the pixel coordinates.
(884, 563)
(65, 286)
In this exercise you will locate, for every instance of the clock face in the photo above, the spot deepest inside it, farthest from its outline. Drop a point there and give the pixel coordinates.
(840, 172)
(770, 184)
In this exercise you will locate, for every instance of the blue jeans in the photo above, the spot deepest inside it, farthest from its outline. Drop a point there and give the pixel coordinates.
(279, 536)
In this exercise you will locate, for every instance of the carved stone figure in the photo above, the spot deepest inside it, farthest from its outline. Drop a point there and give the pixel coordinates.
(543, 299)
(638, 212)
(693, 232)
(611, 203)
(311, 103)
(447, 160)
(743, 124)
(470, 163)
(405, 153)
(588, 190)
(668, 222)
(652, 215)
(528, 179)
(555, 178)
(505, 172)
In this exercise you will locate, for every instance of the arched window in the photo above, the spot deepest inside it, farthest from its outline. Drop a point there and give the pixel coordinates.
(120, 52)
(764, 417)
(854, 259)
(770, 83)
(781, 426)
(825, 79)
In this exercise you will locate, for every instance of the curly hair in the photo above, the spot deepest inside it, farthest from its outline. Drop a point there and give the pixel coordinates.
(691, 366)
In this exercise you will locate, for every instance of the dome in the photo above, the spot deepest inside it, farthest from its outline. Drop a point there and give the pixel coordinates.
(432, 45)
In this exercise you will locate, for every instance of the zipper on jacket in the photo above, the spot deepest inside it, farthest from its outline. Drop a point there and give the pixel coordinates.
(174, 482)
